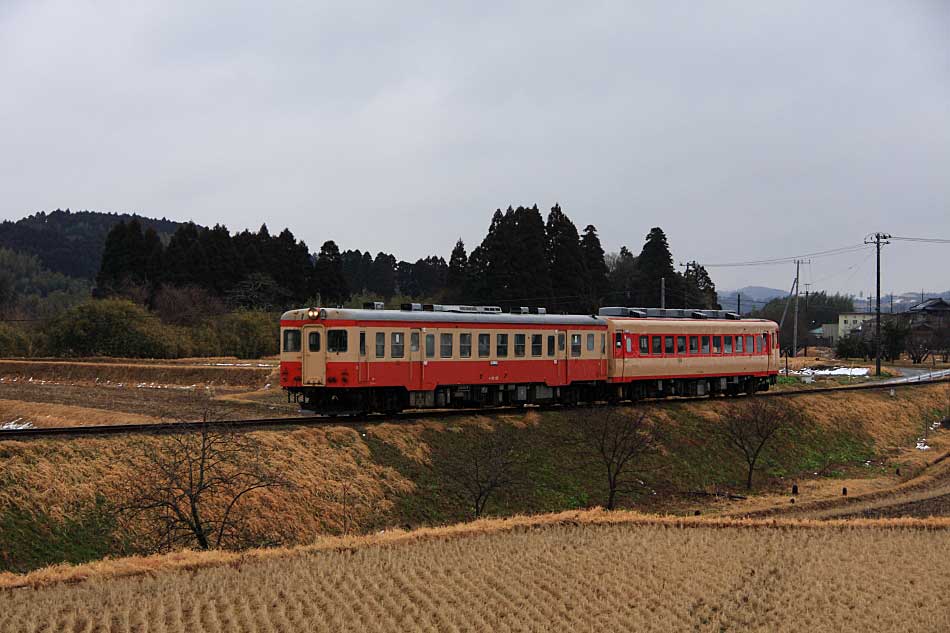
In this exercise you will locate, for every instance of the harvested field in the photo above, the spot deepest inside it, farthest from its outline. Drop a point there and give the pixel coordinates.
(589, 571)
(226, 372)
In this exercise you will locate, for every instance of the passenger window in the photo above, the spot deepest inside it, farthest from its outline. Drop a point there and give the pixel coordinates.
(657, 345)
(501, 345)
(380, 345)
(680, 344)
(336, 341)
(465, 345)
(739, 346)
(590, 342)
(603, 343)
(430, 345)
(749, 344)
(362, 343)
(668, 345)
(551, 345)
(519, 344)
(575, 344)
(560, 341)
(705, 345)
(445, 345)
(414, 342)
(398, 344)
(694, 345)
(644, 345)
(717, 345)
(537, 345)
(291, 340)
(630, 344)
(313, 341)
(484, 345)
(727, 344)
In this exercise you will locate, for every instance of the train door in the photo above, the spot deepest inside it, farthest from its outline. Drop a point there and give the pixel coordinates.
(363, 362)
(314, 370)
(416, 366)
(628, 343)
(564, 356)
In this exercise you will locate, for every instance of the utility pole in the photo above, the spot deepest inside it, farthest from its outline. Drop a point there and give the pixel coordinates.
(795, 314)
(877, 239)
(662, 292)
(739, 303)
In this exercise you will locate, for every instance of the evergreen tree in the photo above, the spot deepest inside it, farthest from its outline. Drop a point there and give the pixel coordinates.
(699, 289)
(353, 271)
(489, 267)
(529, 281)
(656, 263)
(328, 269)
(115, 261)
(185, 262)
(597, 286)
(456, 274)
(382, 280)
(566, 261)
(622, 276)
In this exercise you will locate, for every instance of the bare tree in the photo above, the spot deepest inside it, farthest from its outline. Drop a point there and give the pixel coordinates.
(477, 464)
(615, 439)
(919, 345)
(749, 426)
(188, 488)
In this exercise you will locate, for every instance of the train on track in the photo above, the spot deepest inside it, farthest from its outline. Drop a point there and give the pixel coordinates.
(433, 356)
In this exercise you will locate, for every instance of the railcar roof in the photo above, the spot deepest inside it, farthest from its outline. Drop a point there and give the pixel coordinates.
(356, 314)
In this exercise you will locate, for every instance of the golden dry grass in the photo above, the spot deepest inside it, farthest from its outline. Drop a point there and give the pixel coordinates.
(229, 372)
(588, 571)
(41, 415)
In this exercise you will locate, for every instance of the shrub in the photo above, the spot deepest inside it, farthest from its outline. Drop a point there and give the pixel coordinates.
(110, 327)
(248, 334)
(13, 342)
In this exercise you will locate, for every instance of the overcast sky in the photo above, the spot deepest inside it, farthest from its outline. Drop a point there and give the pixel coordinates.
(747, 130)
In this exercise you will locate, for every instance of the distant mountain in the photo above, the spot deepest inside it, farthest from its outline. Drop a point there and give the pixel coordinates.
(752, 297)
(70, 242)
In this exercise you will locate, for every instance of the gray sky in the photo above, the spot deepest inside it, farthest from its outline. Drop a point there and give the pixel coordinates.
(747, 130)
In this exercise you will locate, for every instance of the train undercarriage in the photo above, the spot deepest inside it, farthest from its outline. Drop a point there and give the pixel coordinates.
(395, 399)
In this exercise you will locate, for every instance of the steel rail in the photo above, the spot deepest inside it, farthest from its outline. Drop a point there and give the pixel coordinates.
(372, 419)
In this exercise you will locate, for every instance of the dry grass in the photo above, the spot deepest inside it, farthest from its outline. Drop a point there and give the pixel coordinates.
(590, 571)
(230, 372)
(42, 415)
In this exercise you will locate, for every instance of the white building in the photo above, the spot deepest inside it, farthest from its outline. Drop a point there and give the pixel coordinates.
(848, 321)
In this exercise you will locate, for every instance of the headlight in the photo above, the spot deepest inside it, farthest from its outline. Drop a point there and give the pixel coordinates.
(312, 314)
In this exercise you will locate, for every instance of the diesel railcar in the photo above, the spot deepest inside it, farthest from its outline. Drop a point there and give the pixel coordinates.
(423, 356)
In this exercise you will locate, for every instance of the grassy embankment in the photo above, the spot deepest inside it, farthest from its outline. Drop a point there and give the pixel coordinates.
(55, 493)
(573, 571)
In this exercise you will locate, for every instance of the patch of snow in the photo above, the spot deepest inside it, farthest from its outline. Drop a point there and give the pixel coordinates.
(834, 371)
(922, 444)
(16, 424)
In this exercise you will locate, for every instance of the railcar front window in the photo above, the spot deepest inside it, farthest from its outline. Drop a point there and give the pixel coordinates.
(551, 345)
(313, 341)
(465, 345)
(430, 345)
(484, 345)
(644, 345)
(445, 345)
(561, 338)
(380, 344)
(501, 345)
(717, 345)
(537, 345)
(727, 344)
(362, 343)
(705, 345)
(336, 341)
(680, 344)
(694, 345)
(668, 345)
(291, 340)
(630, 345)
(575, 344)
(414, 342)
(398, 344)
(519, 344)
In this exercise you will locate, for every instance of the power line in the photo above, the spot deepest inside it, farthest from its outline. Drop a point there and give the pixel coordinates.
(791, 260)
(929, 240)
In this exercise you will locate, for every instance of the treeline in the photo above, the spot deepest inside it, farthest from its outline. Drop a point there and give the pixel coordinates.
(522, 261)
(813, 310)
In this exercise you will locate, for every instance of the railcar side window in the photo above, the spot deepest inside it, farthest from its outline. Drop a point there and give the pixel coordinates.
(694, 345)
(590, 342)
(398, 344)
(430, 345)
(705, 345)
(445, 345)
(537, 344)
(465, 345)
(336, 341)
(519, 344)
(680, 344)
(414, 342)
(380, 344)
(748, 343)
(717, 345)
(727, 340)
(551, 345)
(501, 345)
(291, 340)
(644, 345)
(575, 344)
(657, 345)
(484, 345)
(630, 344)
(313, 341)
(739, 346)
(668, 345)
(362, 343)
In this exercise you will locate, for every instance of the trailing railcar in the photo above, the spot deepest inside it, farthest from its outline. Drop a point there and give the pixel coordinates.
(442, 356)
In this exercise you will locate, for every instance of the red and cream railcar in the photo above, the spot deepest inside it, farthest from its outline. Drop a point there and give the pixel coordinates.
(385, 360)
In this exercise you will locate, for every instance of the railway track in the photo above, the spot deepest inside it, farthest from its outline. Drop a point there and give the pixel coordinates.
(375, 418)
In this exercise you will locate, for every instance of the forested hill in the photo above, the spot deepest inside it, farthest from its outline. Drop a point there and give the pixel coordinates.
(69, 242)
